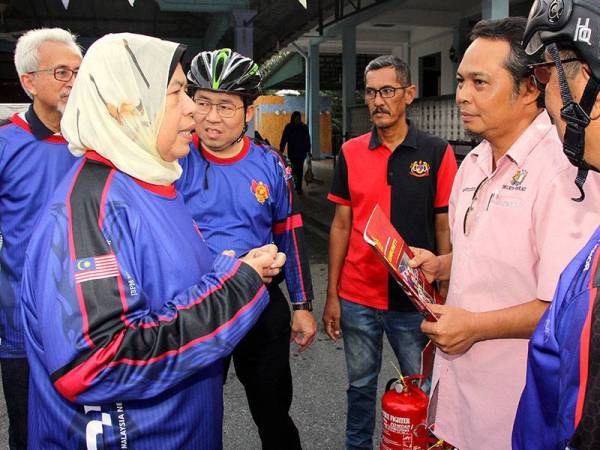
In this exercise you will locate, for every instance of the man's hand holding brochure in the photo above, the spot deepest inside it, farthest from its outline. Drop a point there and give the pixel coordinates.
(395, 254)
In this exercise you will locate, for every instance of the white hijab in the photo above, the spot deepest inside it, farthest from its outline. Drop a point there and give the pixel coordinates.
(117, 105)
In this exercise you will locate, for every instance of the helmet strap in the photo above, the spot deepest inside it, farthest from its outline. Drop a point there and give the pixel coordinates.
(244, 129)
(241, 136)
(577, 118)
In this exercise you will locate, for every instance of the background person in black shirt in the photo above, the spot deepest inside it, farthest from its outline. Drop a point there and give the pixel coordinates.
(296, 136)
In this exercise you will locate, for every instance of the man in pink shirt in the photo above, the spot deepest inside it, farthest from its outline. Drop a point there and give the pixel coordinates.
(513, 228)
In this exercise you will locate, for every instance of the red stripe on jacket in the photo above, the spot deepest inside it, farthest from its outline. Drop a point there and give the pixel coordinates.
(584, 347)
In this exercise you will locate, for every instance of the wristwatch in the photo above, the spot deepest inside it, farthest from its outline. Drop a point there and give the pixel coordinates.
(304, 306)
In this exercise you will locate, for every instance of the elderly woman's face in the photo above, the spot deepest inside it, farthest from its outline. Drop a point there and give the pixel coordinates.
(174, 135)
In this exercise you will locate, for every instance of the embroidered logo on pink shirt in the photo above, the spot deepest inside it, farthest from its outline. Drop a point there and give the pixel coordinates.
(517, 181)
(518, 177)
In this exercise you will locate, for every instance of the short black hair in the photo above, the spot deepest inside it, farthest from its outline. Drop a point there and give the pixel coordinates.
(511, 30)
(568, 51)
(402, 69)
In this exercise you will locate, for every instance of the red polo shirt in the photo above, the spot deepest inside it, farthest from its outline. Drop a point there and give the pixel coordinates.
(412, 183)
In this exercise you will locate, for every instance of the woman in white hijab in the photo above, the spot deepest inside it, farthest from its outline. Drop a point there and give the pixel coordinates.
(125, 309)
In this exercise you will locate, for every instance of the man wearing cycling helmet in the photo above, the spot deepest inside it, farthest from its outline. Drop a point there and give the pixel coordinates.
(559, 405)
(239, 193)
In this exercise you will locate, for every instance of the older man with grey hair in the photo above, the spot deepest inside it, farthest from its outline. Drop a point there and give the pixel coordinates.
(33, 159)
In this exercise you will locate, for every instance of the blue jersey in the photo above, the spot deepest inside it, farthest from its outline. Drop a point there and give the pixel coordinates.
(32, 162)
(127, 317)
(552, 402)
(245, 202)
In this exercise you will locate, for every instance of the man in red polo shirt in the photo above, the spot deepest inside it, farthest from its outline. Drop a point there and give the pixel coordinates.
(409, 174)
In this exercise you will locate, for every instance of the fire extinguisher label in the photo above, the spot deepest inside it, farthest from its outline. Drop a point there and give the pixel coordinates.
(396, 424)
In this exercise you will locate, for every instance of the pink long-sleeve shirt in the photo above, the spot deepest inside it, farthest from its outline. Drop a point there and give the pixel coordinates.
(522, 231)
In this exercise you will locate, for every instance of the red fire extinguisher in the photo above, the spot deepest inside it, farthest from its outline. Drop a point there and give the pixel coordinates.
(404, 411)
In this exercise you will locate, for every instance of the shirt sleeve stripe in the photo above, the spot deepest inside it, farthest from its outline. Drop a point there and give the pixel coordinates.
(298, 262)
(445, 178)
(86, 240)
(292, 222)
(584, 346)
(339, 200)
(103, 199)
(78, 290)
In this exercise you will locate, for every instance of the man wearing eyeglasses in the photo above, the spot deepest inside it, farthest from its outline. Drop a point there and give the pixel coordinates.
(409, 173)
(559, 405)
(240, 195)
(513, 226)
(33, 159)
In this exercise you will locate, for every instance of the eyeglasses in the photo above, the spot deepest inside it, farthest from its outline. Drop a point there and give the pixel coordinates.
(542, 71)
(471, 208)
(224, 110)
(60, 73)
(385, 92)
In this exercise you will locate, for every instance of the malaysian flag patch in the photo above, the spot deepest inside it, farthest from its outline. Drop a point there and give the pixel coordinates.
(96, 268)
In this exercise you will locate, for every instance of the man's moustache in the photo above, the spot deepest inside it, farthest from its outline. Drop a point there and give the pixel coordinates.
(380, 111)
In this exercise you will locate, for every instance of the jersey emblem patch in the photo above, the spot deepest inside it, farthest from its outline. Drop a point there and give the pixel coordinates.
(260, 190)
(419, 169)
(96, 268)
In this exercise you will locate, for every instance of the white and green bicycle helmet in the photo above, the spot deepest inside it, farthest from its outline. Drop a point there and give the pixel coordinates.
(225, 71)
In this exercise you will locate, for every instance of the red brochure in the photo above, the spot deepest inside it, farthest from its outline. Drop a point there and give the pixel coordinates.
(381, 235)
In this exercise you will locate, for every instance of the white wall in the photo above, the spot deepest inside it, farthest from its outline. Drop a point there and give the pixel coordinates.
(428, 42)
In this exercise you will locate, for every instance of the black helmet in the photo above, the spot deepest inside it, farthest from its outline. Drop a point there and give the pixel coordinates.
(575, 23)
(225, 71)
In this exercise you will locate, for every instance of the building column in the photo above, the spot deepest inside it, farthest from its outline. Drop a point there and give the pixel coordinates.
(244, 31)
(406, 52)
(494, 9)
(244, 42)
(314, 101)
(348, 77)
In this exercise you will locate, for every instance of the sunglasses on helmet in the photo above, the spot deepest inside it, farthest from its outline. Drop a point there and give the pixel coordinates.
(542, 71)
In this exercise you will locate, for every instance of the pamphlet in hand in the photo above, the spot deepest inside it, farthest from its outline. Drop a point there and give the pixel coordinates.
(381, 235)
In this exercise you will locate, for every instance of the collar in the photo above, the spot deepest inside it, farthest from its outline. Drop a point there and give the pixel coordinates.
(409, 141)
(164, 191)
(523, 146)
(216, 159)
(33, 125)
(38, 129)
